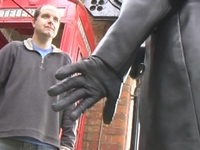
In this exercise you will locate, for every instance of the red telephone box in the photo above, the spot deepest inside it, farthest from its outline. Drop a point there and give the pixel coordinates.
(75, 35)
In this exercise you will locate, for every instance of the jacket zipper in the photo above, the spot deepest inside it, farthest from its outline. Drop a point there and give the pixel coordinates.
(42, 64)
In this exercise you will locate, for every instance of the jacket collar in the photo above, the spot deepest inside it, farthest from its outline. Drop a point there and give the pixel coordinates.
(29, 46)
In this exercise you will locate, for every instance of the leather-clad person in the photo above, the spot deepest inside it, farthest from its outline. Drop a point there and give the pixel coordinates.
(169, 101)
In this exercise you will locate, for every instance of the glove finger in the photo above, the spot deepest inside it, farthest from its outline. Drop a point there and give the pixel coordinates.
(68, 70)
(109, 110)
(66, 84)
(111, 104)
(82, 107)
(69, 99)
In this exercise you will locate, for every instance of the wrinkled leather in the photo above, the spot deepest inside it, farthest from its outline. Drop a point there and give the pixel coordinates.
(169, 100)
(136, 21)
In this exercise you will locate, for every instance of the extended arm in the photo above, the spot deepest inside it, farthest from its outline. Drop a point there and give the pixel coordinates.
(101, 75)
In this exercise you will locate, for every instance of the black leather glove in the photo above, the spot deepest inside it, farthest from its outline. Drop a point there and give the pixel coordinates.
(93, 82)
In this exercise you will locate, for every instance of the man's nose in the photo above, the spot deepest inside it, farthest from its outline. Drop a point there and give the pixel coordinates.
(51, 20)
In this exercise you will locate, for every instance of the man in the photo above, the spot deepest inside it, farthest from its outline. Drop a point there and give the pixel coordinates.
(169, 100)
(26, 71)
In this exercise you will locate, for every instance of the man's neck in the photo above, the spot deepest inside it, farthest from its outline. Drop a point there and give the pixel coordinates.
(43, 43)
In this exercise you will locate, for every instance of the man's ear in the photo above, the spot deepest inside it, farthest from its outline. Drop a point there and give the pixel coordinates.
(33, 23)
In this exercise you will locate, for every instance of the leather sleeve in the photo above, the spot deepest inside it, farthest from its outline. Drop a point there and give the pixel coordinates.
(136, 21)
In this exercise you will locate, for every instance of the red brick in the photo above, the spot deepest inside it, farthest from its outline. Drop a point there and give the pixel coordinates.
(93, 137)
(93, 146)
(119, 140)
(117, 147)
(120, 123)
(114, 131)
(105, 147)
(122, 109)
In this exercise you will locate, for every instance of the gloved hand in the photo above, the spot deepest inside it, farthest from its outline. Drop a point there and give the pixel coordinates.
(93, 82)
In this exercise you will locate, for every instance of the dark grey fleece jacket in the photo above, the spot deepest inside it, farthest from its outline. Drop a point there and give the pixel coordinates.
(25, 106)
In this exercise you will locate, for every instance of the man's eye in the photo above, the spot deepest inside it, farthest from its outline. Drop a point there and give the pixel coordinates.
(45, 16)
(56, 19)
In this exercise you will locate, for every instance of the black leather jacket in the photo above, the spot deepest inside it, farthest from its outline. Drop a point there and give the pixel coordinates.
(170, 89)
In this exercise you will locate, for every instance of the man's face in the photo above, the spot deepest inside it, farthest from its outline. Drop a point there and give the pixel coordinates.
(48, 21)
